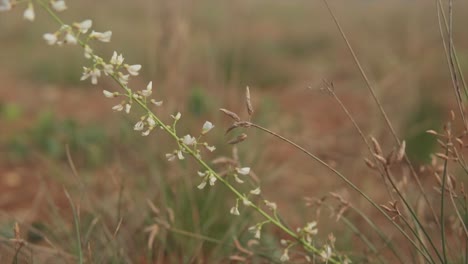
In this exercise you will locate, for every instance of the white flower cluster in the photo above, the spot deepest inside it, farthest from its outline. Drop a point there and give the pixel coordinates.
(29, 13)
(308, 231)
(189, 141)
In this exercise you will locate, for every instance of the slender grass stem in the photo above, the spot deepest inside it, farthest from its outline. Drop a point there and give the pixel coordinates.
(381, 109)
(342, 177)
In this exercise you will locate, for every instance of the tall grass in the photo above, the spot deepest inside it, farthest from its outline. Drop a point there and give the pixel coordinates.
(176, 223)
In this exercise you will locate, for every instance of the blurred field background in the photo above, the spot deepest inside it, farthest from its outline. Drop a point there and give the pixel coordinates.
(201, 55)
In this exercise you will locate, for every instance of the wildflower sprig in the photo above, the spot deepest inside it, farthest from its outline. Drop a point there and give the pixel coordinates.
(120, 72)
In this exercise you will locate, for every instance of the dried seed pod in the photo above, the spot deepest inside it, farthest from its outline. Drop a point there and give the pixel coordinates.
(442, 156)
(238, 139)
(432, 132)
(460, 142)
(230, 114)
(381, 159)
(376, 145)
(250, 109)
(233, 126)
(401, 151)
(369, 163)
(391, 157)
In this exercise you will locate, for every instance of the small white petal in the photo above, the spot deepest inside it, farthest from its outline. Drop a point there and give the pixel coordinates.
(177, 116)
(51, 39)
(201, 185)
(101, 36)
(212, 179)
(139, 126)
(70, 39)
(180, 155)
(151, 121)
(285, 256)
(237, 179)
(113, 60)
(234, 211)
(5, 5)
(256, 191)
(156, 103)
(133, 69)
(271, 205)
(127, 108)
(207, 127)
(108, 69)
(29, 13)
(123, 78)
(118, 107)
(88, 52)
(84, 26)
(189, 140)
(210, 148)
(246, 202)
(108, 94)
(59, 5)
(201, 174)
(243, 171)
(170, 156)
(149, 87)
(146, 133)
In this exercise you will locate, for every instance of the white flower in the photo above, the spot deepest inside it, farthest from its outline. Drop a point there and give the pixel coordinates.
(201, 185)
(201, 174)
(127, 108)
(256, 229)
(256, 191)
(149, 88)
(246, 202)
(139, 126)
(209, 148)
(170, 156)
(285, 256)
(146, 133)
(118, 107)
(59, 5)
(243, 171)
(177, 116)
(311, 228)
(70, 39)
(151, 121)
(156, 103)
(234, 211)
(84, 26)
(108, 69)
(117, 59)
(179, 155)
(212, 179)
(88, 52)
(133, 69)
(5, 5)
(326, 253)
(29, 13)
(101, 36)
(50, 38)
(189, 140)
(108, 94)
(95, 74)
(207, 127)
(237, 179)
(123, 78)
(271, 205)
